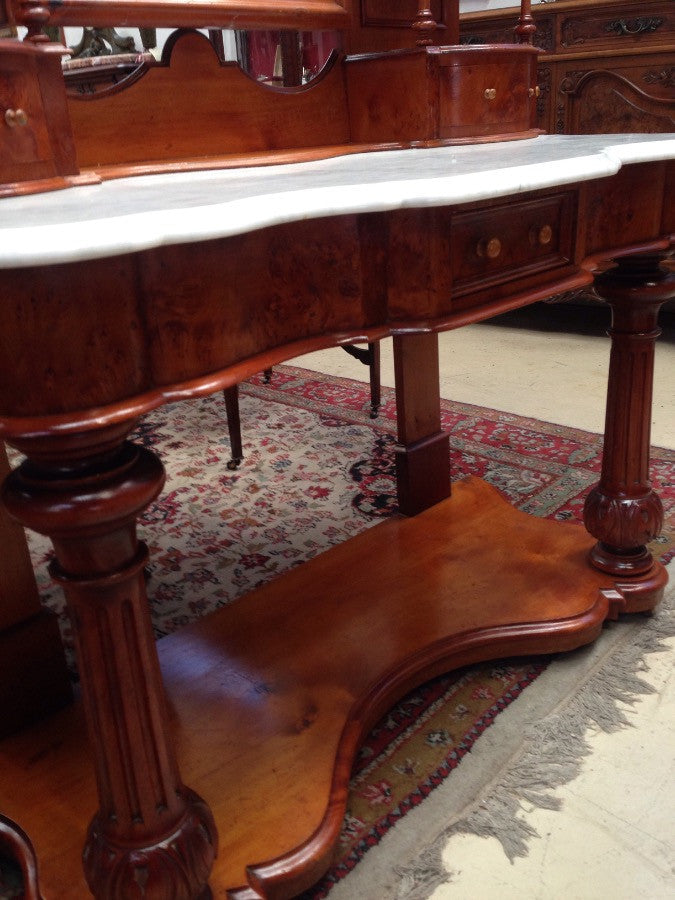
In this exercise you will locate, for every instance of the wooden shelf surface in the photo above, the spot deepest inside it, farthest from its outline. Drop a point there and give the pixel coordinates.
(269, 697)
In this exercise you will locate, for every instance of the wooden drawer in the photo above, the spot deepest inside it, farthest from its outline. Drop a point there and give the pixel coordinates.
(477, 99)
(35, 135)
(441, 94)
(25, 148)
(492, 246)
(644, 25)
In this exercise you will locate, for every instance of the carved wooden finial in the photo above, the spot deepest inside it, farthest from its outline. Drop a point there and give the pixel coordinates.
(424, 24)
(525, 29)
(35, 16)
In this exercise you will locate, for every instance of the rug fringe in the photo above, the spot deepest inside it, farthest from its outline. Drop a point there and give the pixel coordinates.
(552, 754)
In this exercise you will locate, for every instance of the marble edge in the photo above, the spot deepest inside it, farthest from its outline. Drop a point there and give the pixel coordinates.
(40, 245)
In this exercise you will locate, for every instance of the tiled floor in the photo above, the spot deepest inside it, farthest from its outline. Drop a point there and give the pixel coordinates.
(614, 837)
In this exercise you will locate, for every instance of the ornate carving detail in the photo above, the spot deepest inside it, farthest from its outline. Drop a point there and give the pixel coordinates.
(567, 34)
(545, 36)
(634, 26)
(570, 82)
(544, 82)
(623, 522)
(665, 77)
(175, 868)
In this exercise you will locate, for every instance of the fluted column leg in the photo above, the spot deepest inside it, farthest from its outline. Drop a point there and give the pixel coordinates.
(623, 511)
(152, 838)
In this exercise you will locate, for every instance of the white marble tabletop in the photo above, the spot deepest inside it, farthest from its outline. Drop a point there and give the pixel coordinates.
(132, 214)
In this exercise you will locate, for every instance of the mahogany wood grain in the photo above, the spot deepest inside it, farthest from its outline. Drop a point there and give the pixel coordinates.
(422, 454)
(441, 94)
(303, 693)
(378, 25)
(301, 14)
(224, 111)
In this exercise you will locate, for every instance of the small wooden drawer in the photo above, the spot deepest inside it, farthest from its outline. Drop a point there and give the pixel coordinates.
(491, 246)
(478, 98)
(35, 136)
(25, 149)
(442, 95)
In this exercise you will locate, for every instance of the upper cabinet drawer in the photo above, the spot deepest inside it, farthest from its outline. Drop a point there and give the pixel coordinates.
(624, 25)
(477, 99)
(490, 246)
(24, 141)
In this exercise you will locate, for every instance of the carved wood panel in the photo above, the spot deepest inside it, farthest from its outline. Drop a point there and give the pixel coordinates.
(596, 101)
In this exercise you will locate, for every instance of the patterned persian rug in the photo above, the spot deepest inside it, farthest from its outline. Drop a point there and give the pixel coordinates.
(316, 471)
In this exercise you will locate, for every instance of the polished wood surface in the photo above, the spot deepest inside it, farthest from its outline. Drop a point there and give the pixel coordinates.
(302, 702)
(225, 770)
(173, 328)
(192, 109)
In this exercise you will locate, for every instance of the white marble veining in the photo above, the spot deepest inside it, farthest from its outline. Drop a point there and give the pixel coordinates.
(139, 213)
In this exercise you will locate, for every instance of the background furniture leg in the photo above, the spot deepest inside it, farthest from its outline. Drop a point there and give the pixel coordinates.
(623, 511)
(34, 679)
(231, 395)
(422, 455)
(152, 837)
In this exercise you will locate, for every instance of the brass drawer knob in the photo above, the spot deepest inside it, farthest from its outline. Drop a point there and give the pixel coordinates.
(490, 248)
(541, 234)
(16, 117)
(534, 91)
(490, 93)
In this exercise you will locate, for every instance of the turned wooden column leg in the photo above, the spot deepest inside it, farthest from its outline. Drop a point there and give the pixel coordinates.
(623, 511)
(423, 453)
(152, 838)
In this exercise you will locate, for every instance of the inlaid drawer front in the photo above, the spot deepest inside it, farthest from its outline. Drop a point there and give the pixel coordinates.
(488, 247)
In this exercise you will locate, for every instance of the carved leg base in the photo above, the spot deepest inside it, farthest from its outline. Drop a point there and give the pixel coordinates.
(175, 866)
(622, 511)
(644, 594)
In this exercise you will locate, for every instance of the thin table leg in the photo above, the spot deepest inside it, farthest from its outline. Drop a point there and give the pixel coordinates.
(152, 837)
(623, 511)
(423, 454)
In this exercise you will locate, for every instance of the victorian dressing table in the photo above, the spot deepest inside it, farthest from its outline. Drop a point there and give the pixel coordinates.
(186, 257)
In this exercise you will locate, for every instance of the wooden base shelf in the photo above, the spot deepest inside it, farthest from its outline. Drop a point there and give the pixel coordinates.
(269, 697)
